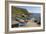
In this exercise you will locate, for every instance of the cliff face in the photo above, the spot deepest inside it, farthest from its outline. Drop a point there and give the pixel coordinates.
(19, 12)
(16, 10)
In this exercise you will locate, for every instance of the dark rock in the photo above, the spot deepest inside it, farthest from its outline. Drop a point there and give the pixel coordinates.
(15, 25)
(35, 20)
(38, 23)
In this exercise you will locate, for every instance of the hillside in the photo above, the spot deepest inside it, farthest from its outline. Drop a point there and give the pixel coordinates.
(16, 10)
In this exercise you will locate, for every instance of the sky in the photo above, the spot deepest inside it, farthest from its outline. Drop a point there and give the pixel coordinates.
(31, 9)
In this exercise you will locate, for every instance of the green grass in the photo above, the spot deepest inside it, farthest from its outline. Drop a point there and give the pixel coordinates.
(16, 10)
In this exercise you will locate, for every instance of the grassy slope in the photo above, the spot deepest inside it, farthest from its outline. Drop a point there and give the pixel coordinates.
(16, 10)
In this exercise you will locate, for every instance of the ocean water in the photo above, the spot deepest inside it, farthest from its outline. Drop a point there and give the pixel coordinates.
(36, 16)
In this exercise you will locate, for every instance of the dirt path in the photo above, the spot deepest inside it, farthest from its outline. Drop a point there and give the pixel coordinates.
(32, 24)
